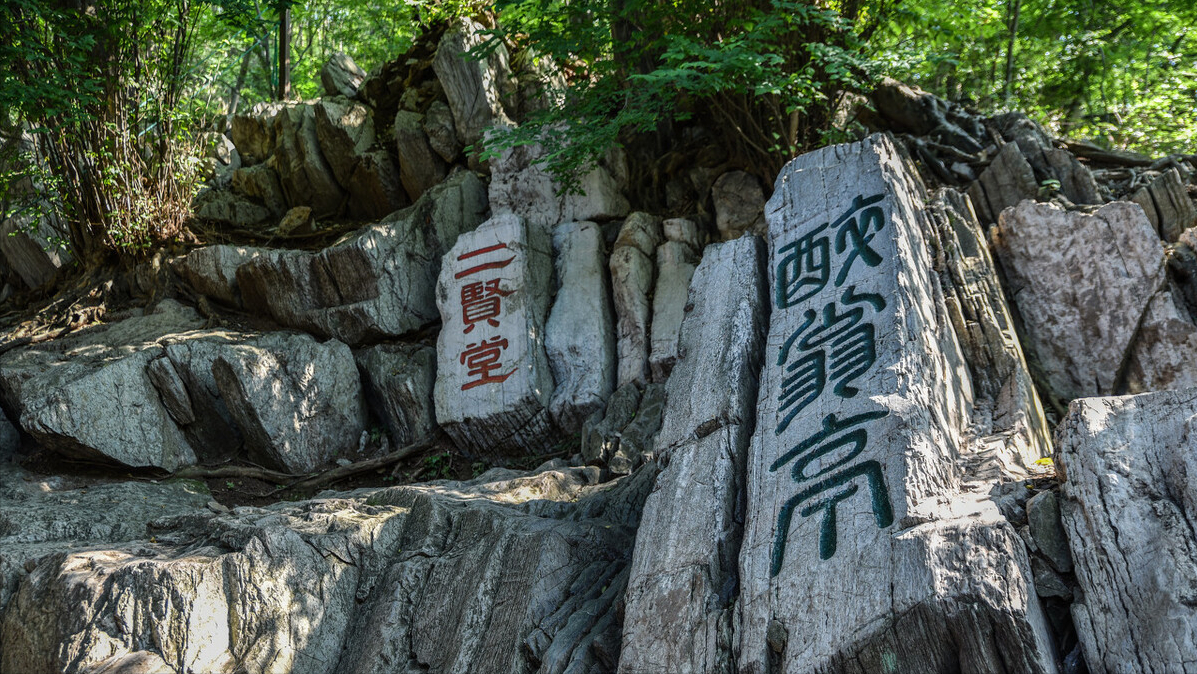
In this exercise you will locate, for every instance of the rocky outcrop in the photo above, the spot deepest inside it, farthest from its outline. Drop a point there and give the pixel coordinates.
(1007, 181)
(679, 615)
(739, 204)
(340, 76)
(304, 173)
(520, 184)
(380, 282)
(420, 167)
(1081, 283)
(75, 394)
(475, 89)
(632, 278)
(493, 383)
(212, 270)
(1128, 510)
(399, 379)
(1167, 205)
(580, 333)
(676, 261)
(447, 577)
(865, 548)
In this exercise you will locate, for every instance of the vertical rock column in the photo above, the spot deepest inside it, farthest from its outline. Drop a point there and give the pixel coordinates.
(580, 335)
(680, 592)
(861, 551)
(631, 283)
(493, 382)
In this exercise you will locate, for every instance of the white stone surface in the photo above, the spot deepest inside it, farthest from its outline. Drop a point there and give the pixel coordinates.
(580, 333)
(474, 88)
(632, 278)
(493, 381)
(1129, 509)
(675, 266)
(862, 550)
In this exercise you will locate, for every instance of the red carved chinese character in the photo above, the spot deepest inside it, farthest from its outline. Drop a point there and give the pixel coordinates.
(498, 264)
(480, 359)
(481, 302)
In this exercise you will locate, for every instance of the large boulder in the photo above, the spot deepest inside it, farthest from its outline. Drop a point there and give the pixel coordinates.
(306, 176)
(253, 132)
(1167, 205)
(1007, 181)
(1128, 509)
(346, 133)
(89, 395)
(510, 572)
(399, 379)
(580, 333)
(212, 270)
(1081, 283)
(420, 167)
(867, 547)
(676, 261)
(739, 204)
(632, 279)
(378, 283)
(493, 383)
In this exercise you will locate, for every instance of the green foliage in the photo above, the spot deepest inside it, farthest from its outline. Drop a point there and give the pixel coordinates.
(763, 73)
(1123, 73)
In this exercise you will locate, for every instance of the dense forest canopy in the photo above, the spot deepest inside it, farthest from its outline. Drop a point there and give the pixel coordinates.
(117, 91)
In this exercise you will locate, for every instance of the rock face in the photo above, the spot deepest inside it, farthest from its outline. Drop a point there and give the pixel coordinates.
(377, 284)
(212, 270)
(40, 516)
(305, 175)
(493, 382)
(681, 589)
(632, 276)
(1128, 510)
(399, 380)
(420, 167)
(1007, 181)
(522, 186)
(864, 549)
(340, 76)
(474, 88)
(75, 394)
(1167, 205)
(1081, 283)
(580, 333)
(452, 577)
(675, 266)
(739, 204)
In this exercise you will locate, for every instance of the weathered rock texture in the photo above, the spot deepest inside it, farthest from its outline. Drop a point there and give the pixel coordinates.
(524, 187)
(683, 580)
(399, 380)
(675, 266)
(493, 382)
(340, 76)
(1167, 205)
(475, 88)
(580, 333)
(1081, 283)
(1128, 508)
(632, 278)
(739, 204)
(377, 284)
(508, 573)
(1006, 182)
(89, 395)
(865, 549)
(212, 270)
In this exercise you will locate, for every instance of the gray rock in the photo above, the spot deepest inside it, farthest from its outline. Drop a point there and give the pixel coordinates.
(739, 204)
(253, 132)
(506, 573)
(861, 533)
(675, 266)
(27, 243)
(632, 276)
(297, 402)
(1081, 283)
(345, 130)
(441, 131)
(380, 282)
(420, 167)
(76, 394)
(684, 231)
(1127, 505)
(230, 208)
(1008, 411)
(1007, 181)
(493, 381)
(1167, 205)
(636, 440)
(679, 612)
(399, 379)
(521, 185)
(474, 88)
(260, 182)
(212, 270)
(340, 76)
(42, 516)
(304, 173)
(1043, 517)
(601, 432)
(1161, 358)
(375, 187)
(10, 439)
(580, 333)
